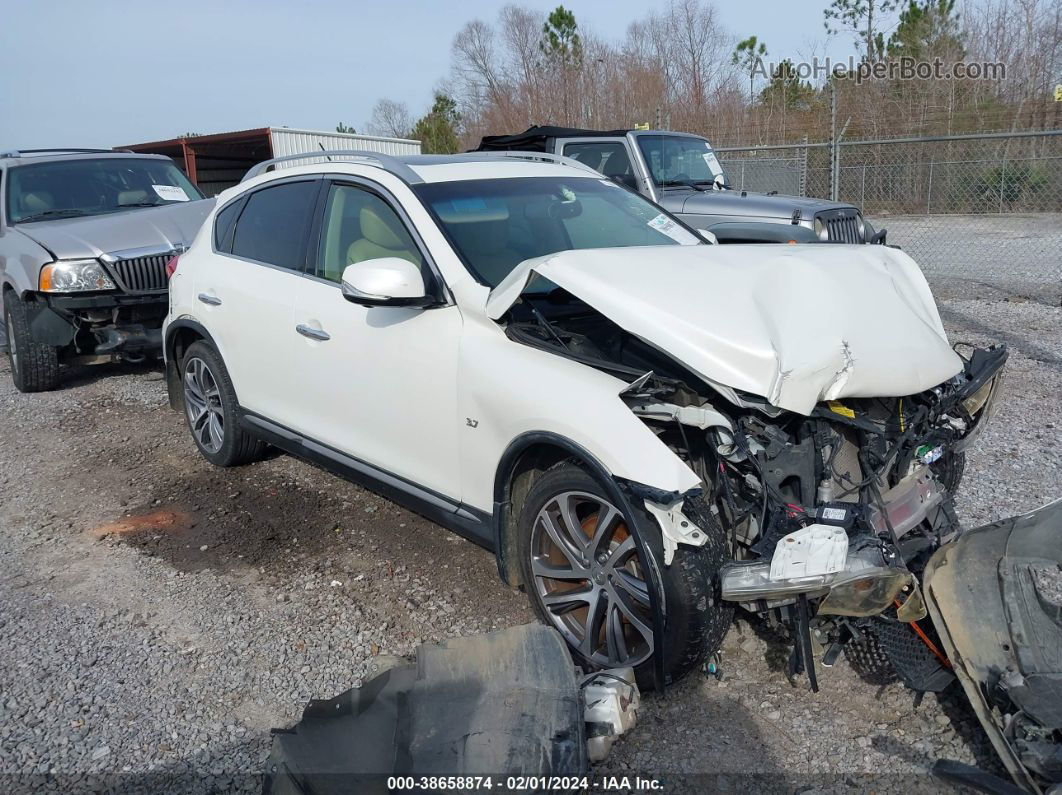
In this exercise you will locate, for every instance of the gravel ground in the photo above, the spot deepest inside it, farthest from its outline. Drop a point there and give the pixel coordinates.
(984, 256)
(160, 616)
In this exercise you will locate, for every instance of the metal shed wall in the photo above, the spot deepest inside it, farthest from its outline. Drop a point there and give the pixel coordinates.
(287, 141)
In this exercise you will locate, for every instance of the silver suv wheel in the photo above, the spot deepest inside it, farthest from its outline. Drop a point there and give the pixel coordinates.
(202, 401)
(589, 578)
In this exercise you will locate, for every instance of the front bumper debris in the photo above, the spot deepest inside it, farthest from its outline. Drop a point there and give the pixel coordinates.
(995, 597)
(507, 702)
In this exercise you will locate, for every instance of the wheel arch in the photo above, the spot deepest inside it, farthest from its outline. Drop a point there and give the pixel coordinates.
(526, 457)
(180, 335)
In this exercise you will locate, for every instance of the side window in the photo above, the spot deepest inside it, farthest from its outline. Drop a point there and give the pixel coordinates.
(359, 225)
(223, 223)
(608, 157)
(272, 227)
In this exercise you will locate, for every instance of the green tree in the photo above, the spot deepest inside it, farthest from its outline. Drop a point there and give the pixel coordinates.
(786, 89)
(437, 129)
(562, 49)
(748, 56)
(560, 39)
(342, 128)
(862, 18)
(927, 30)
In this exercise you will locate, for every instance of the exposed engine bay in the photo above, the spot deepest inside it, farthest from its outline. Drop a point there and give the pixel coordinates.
(831, 516)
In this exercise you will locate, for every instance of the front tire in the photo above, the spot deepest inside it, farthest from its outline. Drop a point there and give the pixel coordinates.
(210, 409)
(34, 367)
(585, 577)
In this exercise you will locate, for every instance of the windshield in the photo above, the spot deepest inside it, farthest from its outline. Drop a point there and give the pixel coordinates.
(495, 224)
(680, 160)
(77, 187)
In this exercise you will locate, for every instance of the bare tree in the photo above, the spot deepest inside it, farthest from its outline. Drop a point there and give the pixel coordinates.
(391, 119)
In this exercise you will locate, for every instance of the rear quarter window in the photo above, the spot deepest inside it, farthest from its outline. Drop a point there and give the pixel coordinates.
(224, 221)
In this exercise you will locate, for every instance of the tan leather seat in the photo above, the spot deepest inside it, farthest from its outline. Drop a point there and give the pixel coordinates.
(37, 201)
(381, 237)
(132, 197)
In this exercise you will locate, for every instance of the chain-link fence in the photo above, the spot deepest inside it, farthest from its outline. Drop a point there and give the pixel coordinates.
(982, 214)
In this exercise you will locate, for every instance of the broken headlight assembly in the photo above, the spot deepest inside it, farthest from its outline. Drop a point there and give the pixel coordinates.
(74, 276)
(977, 400)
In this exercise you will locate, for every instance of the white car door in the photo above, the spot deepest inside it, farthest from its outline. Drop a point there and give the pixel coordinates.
(378, 383)
(246, 295)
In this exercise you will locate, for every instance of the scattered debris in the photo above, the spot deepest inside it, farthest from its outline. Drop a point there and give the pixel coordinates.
(993, 598)
(506, 701)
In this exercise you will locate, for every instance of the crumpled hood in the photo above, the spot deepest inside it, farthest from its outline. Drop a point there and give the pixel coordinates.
(794, 324)
(147, 227)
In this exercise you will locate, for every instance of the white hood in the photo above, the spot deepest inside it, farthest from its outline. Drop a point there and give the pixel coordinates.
(796, 325)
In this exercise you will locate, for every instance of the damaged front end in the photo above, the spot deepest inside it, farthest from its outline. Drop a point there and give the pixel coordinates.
(832, 517)
(831, 513)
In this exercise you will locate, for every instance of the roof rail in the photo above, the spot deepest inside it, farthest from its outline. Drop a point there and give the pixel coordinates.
(386, 162)
(65, 149)
(539, 157)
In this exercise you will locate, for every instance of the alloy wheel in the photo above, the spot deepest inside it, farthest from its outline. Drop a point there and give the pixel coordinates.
(202, 401)
(590, 579)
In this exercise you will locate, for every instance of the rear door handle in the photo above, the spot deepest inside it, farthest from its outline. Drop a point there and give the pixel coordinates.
(313, 333)
(212, 300)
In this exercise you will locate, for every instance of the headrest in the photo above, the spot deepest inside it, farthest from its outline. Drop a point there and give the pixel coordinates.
(37, 201)
(378, 230)
(132, 197)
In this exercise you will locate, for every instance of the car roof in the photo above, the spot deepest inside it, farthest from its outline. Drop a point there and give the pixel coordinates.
(419, 169)
(25, 156)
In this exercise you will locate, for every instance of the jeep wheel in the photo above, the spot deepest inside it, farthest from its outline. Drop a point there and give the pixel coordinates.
(210, 408)
(584, 576)
(34, 367)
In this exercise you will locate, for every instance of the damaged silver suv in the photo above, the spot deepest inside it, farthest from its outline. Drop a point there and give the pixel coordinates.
(646, 429)
(85, 236)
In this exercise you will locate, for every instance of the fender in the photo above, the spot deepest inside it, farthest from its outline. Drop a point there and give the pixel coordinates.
(173, 378)
(616, 494)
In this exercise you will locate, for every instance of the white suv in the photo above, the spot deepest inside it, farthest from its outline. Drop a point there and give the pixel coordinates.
(555, 368)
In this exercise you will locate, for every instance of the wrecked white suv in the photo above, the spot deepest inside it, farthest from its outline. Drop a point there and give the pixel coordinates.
(646, 429)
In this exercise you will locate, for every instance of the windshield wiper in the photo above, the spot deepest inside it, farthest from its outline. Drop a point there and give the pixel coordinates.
(139, 204)
(683, 183)
(69, 212)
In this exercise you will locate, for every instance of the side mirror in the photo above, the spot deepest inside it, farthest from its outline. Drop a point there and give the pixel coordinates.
(386, 281)
(720, 182)
(709, 236)
(626, 180)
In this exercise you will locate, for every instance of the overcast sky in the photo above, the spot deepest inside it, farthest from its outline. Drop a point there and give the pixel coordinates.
(110, 72)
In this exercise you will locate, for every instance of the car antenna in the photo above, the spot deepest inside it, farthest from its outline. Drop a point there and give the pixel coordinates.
(327, 157)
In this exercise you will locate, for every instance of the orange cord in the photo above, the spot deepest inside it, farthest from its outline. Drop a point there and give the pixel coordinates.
(925, 639)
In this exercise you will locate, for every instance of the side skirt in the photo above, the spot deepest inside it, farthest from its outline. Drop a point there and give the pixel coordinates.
(466, 521)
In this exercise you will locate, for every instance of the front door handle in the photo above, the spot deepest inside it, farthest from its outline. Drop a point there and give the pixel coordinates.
(313, 333)
(212, 300)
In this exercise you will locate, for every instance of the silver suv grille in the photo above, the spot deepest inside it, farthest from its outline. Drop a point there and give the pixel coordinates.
(141, 274)
(843, 226)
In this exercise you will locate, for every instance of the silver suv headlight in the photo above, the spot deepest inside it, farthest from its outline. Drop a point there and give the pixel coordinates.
(74, 276)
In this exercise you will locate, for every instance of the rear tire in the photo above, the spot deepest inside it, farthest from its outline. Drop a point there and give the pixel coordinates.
(210, 409)
(696, 619)
(34, 367)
